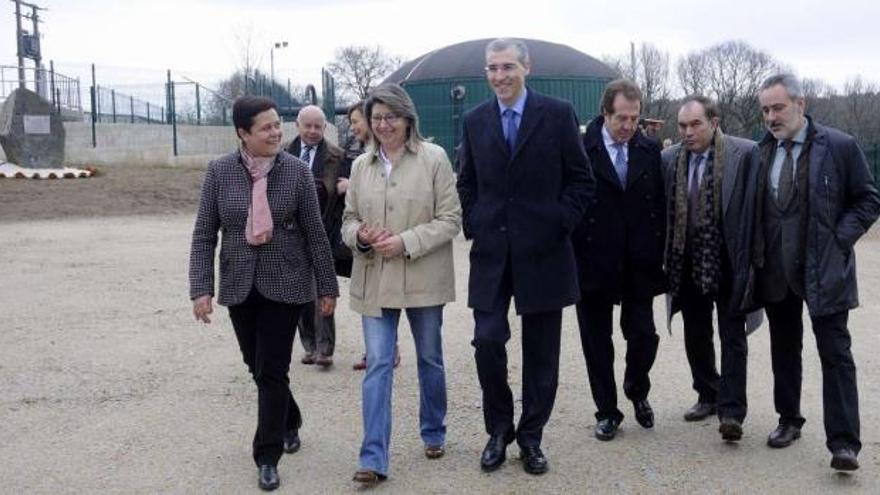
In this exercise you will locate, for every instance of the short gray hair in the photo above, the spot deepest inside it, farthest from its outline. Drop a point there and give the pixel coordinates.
(501, 44)
(788, 81)
(398, 101)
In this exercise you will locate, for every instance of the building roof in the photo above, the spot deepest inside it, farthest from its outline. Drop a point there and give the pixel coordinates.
(468, 59)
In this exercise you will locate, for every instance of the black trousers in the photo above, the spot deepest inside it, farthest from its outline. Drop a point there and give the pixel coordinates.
(727, 390)
(595, 314)
(265, 331)
(840, 396)
(317, 333)
(541, 333)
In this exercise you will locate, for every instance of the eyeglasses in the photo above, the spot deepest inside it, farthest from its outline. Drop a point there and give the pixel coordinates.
(389, 118)
(505, 68)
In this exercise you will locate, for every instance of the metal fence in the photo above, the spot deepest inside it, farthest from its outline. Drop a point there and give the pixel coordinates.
(115, 107)
(63, 92)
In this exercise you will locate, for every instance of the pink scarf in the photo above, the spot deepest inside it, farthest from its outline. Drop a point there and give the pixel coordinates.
(258, 229)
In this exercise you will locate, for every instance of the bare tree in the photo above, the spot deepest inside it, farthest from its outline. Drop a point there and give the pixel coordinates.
(819, 97)
(731, 72)
(692, 73)
(860, 104)
(647, 66)
(246, 46)
(357, 69)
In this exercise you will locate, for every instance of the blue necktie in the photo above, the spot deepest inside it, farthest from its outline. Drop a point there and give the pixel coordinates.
(620, 163)
(307, 155)
(510, 135)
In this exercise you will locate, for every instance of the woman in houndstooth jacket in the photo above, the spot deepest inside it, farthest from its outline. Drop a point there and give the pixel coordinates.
(274, 257)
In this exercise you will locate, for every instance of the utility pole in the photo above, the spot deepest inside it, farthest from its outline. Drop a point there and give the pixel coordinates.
(28, 45)
(632, 61)
(19, 44)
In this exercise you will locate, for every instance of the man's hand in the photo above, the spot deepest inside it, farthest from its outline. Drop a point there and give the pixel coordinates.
(341, 186)
(202, 307)
(328, 305)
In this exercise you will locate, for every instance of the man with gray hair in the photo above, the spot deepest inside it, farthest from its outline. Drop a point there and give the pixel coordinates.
(816, 197)
(330, 170)
(524, 184)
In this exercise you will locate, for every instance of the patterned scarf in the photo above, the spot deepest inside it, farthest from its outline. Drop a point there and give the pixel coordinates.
(258, 229)
(707, 238)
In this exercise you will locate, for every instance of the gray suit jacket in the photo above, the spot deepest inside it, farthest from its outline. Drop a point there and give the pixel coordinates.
(738, 186)
(292, 267)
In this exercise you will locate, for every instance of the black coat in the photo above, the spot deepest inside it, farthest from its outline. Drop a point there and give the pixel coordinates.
(843, 203)
(619, 242)
(523, 207)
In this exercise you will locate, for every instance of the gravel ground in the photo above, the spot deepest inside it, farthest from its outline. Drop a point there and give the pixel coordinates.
(108, 385)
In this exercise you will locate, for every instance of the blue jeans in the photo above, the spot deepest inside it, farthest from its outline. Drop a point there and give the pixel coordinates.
(380, 337)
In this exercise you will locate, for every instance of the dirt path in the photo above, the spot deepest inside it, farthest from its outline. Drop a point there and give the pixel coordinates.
(107, 385)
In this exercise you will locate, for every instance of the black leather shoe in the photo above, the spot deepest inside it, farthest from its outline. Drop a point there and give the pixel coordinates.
(644, 413)
(699, 411)
(291, 441)
(606, 429)
(731, 429)
(844, 460)
(495, 452)
(533, 460)
(269, 477)
(783, 436)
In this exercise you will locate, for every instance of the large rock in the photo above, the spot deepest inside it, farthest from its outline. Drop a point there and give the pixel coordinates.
(31, 134)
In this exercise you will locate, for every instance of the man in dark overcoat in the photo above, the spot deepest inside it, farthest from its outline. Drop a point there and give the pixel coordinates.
(816, 198)
(524, 182)
(619, 248)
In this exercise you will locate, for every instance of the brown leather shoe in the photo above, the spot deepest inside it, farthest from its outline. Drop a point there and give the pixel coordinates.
(308, 358)
(434, 451)
(360, 365)
(324, 361)
(367, 476)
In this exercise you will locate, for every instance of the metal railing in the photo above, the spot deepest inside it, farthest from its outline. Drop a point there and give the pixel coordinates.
(61, 91)
(115, 107)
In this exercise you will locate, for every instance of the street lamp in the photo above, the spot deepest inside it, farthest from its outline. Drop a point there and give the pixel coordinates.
(278, 44)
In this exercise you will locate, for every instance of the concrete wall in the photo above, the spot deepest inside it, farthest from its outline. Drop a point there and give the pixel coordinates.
(145, 144)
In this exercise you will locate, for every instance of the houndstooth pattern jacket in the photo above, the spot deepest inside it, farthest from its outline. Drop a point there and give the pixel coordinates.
(292, 267)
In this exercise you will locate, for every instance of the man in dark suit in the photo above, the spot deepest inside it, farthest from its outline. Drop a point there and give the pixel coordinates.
(619, 250)
(815, 199)
(524, 182)
(330, 170)
(710, 191)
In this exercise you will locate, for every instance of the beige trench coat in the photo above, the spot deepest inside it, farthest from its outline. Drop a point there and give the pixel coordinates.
(419, 202)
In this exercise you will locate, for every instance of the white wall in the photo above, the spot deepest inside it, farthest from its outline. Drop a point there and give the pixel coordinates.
(151, 144)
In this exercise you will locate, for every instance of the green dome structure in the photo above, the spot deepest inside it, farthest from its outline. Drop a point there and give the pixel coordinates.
(449, 81)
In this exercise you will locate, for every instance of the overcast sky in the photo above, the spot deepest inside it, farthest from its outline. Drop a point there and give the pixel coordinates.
(137, 40)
